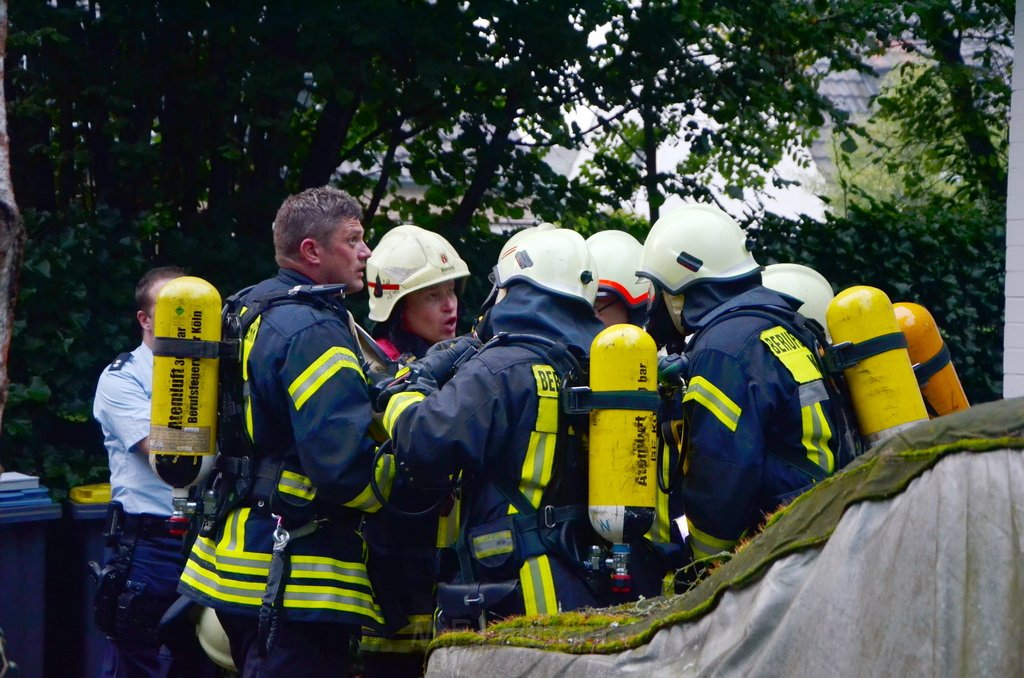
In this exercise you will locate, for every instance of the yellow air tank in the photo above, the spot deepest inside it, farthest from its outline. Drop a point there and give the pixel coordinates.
(183, 424)
(882, 385)
(939, 382)
(623, 442)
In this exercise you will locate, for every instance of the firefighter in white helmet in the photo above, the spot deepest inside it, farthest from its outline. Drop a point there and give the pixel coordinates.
(759, 420)
(802, 283)
(621, 296)
(415, 278)
(497, 420)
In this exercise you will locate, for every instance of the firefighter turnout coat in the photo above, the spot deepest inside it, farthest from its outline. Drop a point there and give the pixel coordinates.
(759, 421)
(497, 421)
(307, 410)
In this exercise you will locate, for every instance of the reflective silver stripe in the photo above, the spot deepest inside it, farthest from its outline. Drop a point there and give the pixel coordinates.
(366, 501)
(299, 569)
(309, 381)
(494, 544)
(812, 392)
(233, 530)
(533, 481)
(328, 595)
(397, 405)
(705, 545)
(208, 581)
(309, 566)
(536, 587)
(251, 593)
(716, 402)
(237, 560)
(296, 485)
(702, 549)
(816, 439)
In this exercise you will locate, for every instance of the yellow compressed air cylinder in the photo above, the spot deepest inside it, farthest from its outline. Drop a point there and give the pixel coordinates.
(623, 442)
(943, 390)
(883, 388)
(183, 424)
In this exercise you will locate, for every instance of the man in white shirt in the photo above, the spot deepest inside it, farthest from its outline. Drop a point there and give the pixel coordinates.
(141, 574)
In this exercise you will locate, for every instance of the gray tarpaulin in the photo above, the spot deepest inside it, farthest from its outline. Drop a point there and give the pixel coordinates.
(926, 578)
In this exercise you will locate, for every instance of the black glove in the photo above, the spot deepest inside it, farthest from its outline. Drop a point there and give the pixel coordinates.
(444, 357)
(414, 378)
(672, 370)
(378, 380)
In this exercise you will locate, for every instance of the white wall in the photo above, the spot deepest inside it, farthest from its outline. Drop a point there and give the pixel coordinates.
(1013, 340)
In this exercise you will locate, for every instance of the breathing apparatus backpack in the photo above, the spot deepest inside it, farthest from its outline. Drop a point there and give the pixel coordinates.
(235, 468)
(591, 540)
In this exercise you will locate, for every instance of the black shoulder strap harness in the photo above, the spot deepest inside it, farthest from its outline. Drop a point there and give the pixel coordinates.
(831, 360)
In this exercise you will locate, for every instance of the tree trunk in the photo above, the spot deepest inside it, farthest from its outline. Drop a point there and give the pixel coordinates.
(12, 230)
(651, 141)
(490, 156)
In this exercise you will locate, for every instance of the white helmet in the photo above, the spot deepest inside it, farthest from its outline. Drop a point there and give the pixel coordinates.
(803, 283)
(617, 254)
(695, 242)
(408, 258)
(523, 232)
(553, 259)
(214, 640)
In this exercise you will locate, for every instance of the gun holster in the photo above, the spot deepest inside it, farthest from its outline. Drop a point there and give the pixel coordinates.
(111, 580)
(110, 583)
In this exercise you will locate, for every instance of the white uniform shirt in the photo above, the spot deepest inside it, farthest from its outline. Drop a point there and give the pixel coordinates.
(122, 407)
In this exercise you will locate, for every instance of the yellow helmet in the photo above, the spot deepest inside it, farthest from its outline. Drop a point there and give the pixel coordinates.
(408, 258)
(803, 283)
(554, 259)
(617, 254)
(693, 243)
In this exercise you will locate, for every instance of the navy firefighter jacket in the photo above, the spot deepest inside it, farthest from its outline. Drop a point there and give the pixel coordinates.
(497, 421)
(759, 422)
(307, 412)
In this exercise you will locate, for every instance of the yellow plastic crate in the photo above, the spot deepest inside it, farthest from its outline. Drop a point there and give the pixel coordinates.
(91, 494)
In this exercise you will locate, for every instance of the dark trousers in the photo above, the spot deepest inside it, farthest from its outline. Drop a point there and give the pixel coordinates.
(302, 648)
(134, 651)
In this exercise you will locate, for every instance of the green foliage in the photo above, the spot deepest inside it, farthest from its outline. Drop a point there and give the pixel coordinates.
(145, 133)
(730, 84)
(949, 258)
(75, 313)
(939, 125)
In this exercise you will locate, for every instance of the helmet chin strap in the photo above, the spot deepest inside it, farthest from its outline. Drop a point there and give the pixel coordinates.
(674, 303)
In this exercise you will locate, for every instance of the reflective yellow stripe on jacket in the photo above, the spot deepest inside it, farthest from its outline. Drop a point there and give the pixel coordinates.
(704, 545)
(384, 475)
(398, 404)
(717, 403)
(412, 638)
(247, 343)
(539, 594)
(227, 571)
(797, 358)
(320, 370)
